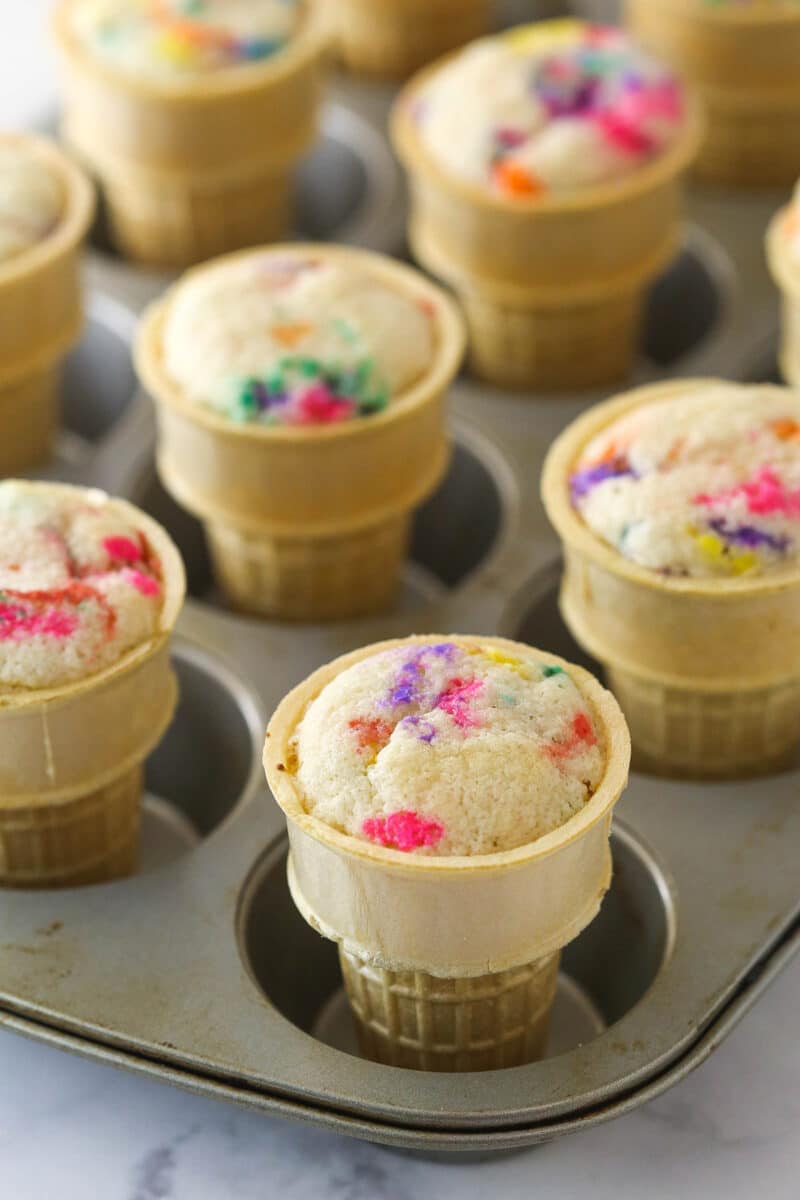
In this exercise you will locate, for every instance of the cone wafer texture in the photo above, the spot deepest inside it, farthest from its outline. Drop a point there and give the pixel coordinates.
(666, 642)
(199, 166)
(482, 1023)
(41, 316)
(535, 273)
(309, 521)
(395, 38)
(71, 754)
(743, 61)
(460, 992)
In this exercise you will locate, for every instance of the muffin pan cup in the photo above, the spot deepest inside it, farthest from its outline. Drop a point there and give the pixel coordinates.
(199, 970)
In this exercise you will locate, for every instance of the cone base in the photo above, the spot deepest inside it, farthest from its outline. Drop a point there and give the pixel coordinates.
(309, 579)
(553, 349)
(393, 39)
(173, 222)
(28, 420)
(417, 1021)
(744, 148)
(89, 839)
(712, 735)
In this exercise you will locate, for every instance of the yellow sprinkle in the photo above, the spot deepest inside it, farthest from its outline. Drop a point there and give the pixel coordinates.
(505, 660)
(545, 33)
(715, 551)
(175, 49)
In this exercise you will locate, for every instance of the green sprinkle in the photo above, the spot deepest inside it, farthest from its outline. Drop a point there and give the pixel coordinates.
(549, 672)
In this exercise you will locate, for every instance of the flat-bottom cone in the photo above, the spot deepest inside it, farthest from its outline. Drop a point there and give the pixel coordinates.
(411, 1019)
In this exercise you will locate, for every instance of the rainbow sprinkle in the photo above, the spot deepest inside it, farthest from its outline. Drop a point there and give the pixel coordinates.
(307, 391)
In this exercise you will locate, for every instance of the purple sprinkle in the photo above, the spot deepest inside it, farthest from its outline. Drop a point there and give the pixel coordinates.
(750, 536)
(509, 138)
(582, 482)
(426, 732)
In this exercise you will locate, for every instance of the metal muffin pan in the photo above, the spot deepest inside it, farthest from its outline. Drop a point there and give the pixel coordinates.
(198, 970)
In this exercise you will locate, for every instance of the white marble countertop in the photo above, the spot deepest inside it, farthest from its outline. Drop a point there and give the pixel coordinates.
(75, 1130)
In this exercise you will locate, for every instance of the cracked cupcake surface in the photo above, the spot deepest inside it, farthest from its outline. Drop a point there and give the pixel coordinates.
(449, 748)
(276, 339)
(171, 39)
(706, 483)
(31, 198)
(79, 584)
(554, 107)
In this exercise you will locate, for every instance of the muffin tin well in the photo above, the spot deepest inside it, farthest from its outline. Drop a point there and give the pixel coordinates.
(198, 970)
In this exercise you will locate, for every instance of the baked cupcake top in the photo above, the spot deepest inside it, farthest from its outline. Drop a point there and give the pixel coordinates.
(704, 483)
(172, 39)
(31, 198)
(553, 107)
(295, 339)
(449, 748)
(79, 584)
(790, 225)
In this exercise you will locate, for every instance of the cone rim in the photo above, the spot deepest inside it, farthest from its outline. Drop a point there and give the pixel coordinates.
(287, 793)
(578, 537)
(16, 699)
(312, 40)
(417, 159)
(443, 368)
(74, 221)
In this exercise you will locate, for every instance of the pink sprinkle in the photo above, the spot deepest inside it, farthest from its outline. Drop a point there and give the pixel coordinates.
(143, 583)
(18, 622)
(765, 494)
(318, 406)
(122, 548)
(404, 830)
(455, 701)
(622, 134)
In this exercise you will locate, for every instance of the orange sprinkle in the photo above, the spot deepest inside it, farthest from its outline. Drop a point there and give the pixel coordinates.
(290, 333)
(786, 429)
(675, 450)
(513, 178)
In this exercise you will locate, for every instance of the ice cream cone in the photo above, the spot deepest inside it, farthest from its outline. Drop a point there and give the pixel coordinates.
(675, 647)
(198, 167)
(396, 37)
(786, 273)
(471, 989)
(41, 317)
(308, 522)
(552, 287)
(743, 61)
(71, 757)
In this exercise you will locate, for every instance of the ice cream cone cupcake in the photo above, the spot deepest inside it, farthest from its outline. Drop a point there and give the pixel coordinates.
(191, 117)
(301, 401)
(46, 205)
(742, 57)
(90, 589)
(679, 509)
(468, 777)
(783, 255)
(396, 37)
(560, 204)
